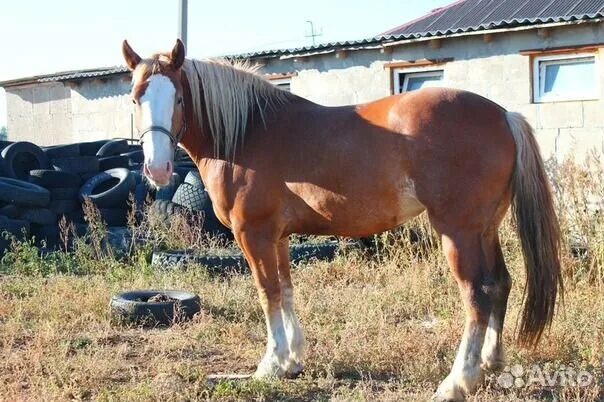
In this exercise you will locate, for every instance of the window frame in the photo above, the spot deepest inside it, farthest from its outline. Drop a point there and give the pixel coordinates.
(428, 71)
(281, 81)
(539, 69)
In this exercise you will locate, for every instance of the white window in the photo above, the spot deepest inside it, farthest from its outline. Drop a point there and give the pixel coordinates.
(565, 77)
(410, 80)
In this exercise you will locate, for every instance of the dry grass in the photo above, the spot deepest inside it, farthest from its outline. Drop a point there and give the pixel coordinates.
(382, 328)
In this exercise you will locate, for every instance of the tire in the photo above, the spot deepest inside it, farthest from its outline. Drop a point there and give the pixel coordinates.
(167, 192)
(23, 193)
(191, 197)
(308, 251)
(112, 148)
(194, 178)
(112, 162)
(47, 234)
(182, 171)
(133, 307)
(166, 209)
(108, 189)
(114, 216)
(16, 227)
(64, 193)
(227, 261)
(77, 165)
(135, 156)
(141, 192)
(91, 148)
(62, 151)
(11, 211)
(54, 179)
(76, 216)
(20, 158)
(62, 207)
(40, 216)
(4, 144)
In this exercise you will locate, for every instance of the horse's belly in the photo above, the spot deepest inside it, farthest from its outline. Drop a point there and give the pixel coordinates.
(358, 212)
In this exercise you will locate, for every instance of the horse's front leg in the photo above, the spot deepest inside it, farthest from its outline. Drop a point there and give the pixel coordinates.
(260, 249)
(293, 331)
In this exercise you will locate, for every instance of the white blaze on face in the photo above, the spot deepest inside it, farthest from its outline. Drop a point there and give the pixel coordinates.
(157, 107)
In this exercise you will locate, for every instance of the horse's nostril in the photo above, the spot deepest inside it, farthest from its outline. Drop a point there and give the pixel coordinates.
(168, 166)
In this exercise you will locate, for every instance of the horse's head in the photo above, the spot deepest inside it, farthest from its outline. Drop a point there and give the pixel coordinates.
(157, 94)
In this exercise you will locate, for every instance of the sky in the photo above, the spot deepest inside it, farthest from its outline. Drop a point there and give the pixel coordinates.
(42, 36)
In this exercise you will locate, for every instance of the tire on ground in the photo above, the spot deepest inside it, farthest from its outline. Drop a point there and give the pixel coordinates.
(194, 178)
(307, 251)
(53, 178)
(39, 216)
(112, 148)
(112, 162)
(62, 207)
(78, 165)
(23, 193)
(62, 151)
(133, 307)
(16, 227)
(108, 189)
(135, 156)
(114, 216)
(191, 197)
(225, 261)
(21, 157)
(64, 193)
(91, 148)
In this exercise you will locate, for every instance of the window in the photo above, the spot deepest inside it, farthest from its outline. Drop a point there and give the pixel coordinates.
(565, 77)
(406, 80)
(282, 83)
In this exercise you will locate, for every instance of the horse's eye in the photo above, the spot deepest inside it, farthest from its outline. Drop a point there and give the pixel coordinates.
(179, 101)
(134, 101)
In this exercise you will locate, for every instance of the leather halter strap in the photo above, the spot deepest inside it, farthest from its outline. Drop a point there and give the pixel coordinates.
(174, 139)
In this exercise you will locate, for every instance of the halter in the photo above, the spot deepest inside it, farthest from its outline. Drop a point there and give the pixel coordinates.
(174, 139)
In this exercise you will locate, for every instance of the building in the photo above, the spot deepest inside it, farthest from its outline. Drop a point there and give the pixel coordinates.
(542, 58)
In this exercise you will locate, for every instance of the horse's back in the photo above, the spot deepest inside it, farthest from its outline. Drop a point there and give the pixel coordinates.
(460, 151)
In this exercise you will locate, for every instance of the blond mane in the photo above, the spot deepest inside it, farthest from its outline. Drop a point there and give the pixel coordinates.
(233, 94)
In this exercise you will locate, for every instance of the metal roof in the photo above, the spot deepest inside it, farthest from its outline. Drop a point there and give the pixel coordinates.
(467, 16)
(457, 18)
(66, 76)
(475, 15)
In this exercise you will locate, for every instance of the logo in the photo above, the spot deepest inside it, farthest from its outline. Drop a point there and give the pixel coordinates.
(517, 376)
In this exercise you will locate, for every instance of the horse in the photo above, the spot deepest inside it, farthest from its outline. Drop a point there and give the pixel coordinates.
(275, 164)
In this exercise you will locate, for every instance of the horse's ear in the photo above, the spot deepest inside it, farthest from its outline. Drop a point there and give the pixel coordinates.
(177, 56)
(132, 59)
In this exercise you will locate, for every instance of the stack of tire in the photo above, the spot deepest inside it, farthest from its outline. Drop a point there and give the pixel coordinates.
(39, 186)
(191, 196)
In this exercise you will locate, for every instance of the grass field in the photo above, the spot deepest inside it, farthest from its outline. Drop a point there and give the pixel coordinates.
(379, 328)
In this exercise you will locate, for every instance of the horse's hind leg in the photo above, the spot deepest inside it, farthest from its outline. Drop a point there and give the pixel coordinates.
(492, 351)
(466, 259)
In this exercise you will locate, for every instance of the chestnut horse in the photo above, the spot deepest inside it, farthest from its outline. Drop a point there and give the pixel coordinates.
(276, 164)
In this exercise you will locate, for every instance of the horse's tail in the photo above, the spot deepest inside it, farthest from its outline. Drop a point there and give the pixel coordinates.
(538, 229)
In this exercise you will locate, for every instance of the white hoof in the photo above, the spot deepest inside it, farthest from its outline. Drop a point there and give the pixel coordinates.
(270, 367)
(449, 391)
(293, 368)
(495, 361)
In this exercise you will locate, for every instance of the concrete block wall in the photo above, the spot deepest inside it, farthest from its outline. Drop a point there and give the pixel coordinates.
(101, 109)
(495, 70)
(40, 113)
(61, 113)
